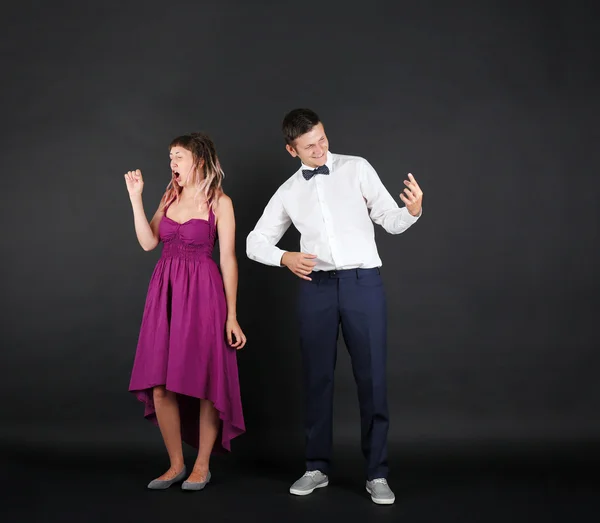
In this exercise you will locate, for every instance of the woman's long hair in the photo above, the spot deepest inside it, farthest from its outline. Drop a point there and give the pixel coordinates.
(207, 174)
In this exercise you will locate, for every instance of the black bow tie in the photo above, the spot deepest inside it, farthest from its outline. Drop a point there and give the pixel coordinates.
(308, 174)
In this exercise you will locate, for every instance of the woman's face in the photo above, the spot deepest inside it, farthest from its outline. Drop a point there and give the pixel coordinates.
(182, 165)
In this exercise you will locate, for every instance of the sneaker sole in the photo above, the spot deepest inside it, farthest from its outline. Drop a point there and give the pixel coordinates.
(381, 501)
(307, 492)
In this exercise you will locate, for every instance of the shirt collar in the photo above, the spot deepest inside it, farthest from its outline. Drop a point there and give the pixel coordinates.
(328, 163)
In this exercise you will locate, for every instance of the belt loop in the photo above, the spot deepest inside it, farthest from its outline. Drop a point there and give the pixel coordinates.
(357, 271)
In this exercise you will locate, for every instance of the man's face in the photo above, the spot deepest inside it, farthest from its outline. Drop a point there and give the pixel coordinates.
(311, 147)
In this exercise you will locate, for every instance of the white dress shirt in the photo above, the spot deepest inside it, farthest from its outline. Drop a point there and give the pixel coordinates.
(334, 214)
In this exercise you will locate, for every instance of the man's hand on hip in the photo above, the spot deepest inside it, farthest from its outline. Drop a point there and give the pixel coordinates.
(299, 263)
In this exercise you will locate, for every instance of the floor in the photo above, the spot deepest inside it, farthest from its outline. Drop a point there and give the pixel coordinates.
(91, 487)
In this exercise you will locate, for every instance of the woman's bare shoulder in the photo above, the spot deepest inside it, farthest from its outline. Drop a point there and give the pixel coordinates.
(222, 202)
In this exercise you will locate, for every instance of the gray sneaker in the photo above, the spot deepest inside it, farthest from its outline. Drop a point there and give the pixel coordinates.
(311, 480)
(380, 491)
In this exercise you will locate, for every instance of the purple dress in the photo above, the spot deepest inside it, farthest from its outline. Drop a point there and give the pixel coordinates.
(182, 342)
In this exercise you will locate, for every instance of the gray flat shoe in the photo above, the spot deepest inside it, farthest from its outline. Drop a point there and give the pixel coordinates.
(195, 485)
(161, 484)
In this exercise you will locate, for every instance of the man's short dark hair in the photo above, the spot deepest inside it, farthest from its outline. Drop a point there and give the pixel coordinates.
(298, 122)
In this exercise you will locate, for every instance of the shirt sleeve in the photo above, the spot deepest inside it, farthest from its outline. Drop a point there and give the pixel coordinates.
(382, 207)
(261, 242)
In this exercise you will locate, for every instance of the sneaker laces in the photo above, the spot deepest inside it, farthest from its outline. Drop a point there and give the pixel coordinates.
(383, 481)
(312, 473)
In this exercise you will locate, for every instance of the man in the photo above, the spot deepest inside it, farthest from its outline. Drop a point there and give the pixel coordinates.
(333, 201)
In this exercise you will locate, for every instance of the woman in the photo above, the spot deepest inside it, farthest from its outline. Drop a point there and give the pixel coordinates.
(185, 368)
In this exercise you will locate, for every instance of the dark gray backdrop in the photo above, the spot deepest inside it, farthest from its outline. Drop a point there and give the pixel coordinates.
(493, 294)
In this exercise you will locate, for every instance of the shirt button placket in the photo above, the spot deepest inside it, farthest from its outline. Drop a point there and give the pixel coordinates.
(327, 220)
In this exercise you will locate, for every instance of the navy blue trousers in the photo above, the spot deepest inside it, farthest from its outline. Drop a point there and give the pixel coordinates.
(354, 299)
